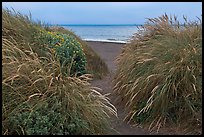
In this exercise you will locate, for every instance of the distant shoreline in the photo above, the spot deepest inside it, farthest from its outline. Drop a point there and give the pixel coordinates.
(106, 41)
(105, 33)
(96, 24)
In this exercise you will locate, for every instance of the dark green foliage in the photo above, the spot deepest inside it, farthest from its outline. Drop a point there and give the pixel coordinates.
(95, 65)
(43, 119)
(66, 48)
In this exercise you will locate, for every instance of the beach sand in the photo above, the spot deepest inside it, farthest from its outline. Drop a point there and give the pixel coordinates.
(109, 52)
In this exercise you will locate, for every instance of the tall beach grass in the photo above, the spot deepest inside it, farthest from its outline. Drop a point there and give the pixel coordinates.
(37, 98)
(159, 75)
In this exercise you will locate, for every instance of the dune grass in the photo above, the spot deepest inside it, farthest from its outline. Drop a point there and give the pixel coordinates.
(37, 98)
(159, 75)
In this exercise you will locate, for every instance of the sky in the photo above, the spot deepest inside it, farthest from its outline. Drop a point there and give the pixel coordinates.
(104, 12)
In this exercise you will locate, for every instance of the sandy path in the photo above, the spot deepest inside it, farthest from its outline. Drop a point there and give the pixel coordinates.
(108, 52)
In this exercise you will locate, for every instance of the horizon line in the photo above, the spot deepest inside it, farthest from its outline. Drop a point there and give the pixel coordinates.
(96, 24)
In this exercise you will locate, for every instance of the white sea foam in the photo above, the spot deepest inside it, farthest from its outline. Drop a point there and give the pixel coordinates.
(105, 40)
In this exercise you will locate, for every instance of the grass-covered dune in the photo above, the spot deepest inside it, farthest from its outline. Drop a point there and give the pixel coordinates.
(159, 75)
(45, 82)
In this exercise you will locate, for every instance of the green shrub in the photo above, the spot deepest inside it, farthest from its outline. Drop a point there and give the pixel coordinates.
(66, 48)
(159, 75)
(95, 65)
(44, 119)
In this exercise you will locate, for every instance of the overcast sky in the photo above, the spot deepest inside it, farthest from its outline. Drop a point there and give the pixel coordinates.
(104, 12)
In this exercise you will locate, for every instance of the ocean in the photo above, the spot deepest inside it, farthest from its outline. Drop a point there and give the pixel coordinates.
(106, 33)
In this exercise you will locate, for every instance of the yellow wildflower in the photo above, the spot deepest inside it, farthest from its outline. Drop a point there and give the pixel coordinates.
(53, 51)
(58, 44)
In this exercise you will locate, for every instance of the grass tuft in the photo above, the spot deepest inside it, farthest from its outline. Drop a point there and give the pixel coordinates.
(159, 75)
(37, 98)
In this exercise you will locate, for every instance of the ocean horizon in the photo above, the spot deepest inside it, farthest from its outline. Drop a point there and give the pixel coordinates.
(96, 24)
(118, 33)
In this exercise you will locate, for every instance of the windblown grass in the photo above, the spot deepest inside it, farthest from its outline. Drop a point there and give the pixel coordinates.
(159, 75)
(36, 97)
(18, 26)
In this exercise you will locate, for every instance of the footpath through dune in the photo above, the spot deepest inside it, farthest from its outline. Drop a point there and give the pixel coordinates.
(108, 52)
